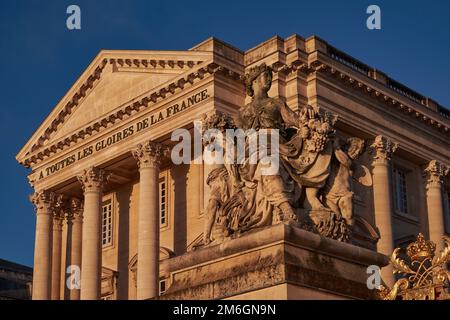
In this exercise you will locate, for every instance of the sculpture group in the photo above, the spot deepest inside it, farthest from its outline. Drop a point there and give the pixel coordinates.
(312, 186)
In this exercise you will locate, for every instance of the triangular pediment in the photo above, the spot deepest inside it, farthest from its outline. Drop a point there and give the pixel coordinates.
(112, 80)
(115, 88)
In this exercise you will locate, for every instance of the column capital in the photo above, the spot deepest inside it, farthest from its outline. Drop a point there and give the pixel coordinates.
(434, 173)
(58, 212)
(149, 154)
(93, 179)
(75, 210)
(44, 201)
(382, 149)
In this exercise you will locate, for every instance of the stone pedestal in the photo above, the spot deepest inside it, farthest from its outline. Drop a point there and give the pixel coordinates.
(279, 262)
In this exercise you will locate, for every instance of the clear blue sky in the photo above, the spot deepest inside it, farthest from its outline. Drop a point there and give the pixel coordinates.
(41, 58)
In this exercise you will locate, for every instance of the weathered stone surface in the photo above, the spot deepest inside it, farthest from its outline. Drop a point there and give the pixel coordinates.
(277, 255)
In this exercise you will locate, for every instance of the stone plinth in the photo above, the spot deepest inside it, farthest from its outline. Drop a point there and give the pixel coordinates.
(279, 262)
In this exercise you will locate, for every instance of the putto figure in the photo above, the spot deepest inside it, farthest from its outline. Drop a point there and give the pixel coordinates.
(310, 187)
(337, 193)
(219, 182)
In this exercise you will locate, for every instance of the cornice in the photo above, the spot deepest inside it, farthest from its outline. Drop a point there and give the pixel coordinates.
(376, 94)
(124, 60)
(70, 105)
(87, 86)
(144, 101)
(351, 81)
(320, 64)
(123, 64)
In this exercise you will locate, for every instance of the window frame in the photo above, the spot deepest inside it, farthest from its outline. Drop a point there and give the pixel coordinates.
(164, 178)
(165, 282)
(398, 169)
(105, 199)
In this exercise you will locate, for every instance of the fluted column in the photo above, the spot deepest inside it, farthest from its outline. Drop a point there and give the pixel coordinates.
(92, 180)
(76, 221)
(44, 205)
(148, 157)
(58, 217)
(382, 191)
(434, 175)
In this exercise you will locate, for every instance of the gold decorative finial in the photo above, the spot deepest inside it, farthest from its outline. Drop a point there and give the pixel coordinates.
(425, 276)
(420, 249)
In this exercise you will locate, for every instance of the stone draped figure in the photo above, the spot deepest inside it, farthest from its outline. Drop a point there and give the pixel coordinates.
(311, 184)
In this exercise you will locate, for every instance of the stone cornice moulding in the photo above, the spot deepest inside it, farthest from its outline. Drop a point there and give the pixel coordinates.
(92, 74)
(212, 68)
(389, 100)
(126, 146)
(132, 60)
(326, 68)
(372, 128)
(319, 62)
(128, 109)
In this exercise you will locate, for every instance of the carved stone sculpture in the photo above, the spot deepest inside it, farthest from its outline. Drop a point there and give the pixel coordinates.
(337, 192)
(311, 185)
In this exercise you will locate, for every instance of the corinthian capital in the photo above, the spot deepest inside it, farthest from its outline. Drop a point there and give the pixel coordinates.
(75, 209)
(435, 173)
(60, 207)
(94, 179)
(382, 149)
(44, 202)
(148, 154)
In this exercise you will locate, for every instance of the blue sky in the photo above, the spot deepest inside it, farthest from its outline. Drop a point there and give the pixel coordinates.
(41, 58)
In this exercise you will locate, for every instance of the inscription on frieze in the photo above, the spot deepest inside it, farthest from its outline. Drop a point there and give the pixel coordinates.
(125, 133)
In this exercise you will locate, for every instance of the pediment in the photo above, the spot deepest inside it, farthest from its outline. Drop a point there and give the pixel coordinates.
(115, 88)
(111, 81)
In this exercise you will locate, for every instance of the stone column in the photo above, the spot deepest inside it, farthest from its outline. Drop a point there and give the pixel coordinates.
(76, 220)
(58, 217)
(434, 174)
(148, 157)
(42, 270)
(92, 180)
(382, 192)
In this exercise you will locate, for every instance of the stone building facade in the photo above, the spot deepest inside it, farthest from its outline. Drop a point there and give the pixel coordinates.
(110, 202)
(15, 281)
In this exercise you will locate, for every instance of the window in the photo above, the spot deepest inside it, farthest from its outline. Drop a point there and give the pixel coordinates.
(163, 201)
(400, 192)
(107, 223)
(162, 286)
